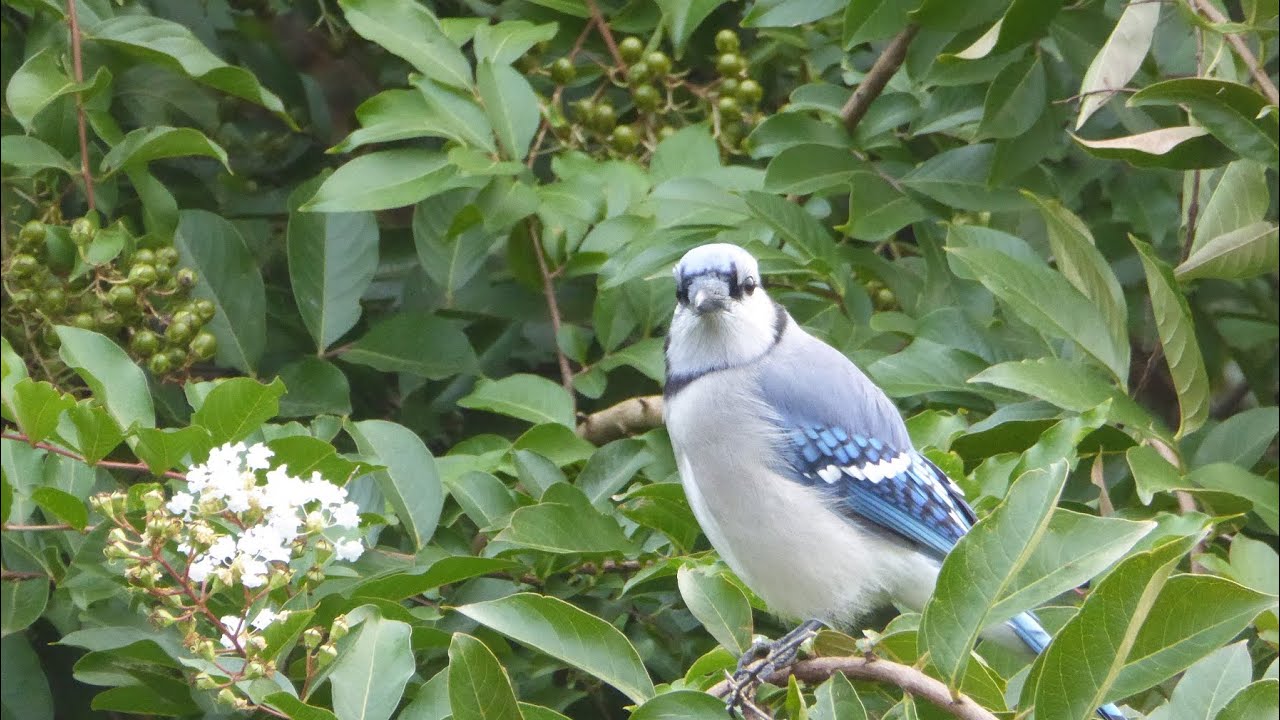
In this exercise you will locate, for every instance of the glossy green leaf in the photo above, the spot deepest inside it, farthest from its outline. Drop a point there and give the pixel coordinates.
(682, 18)
(295, 709)
(793, 224)
(1208, 685)
(38, 405)
(332, 258)
(783, 13)
(236, 408)
(1239, 198)
(575, 636)
(157, 143)
(866, 20)
(402, 585)
(451, 239)
(565, 522)
(314, 387)
(719, 605)
(479, 688)
(31, 155)
(836, 699)
(111, 374)
(1231, 111)
(228, 277)
(504, 43)
(96, 432)
(511, 105)
(25, 685)
(371, 671)
(1238, 255)
(166, 448)
(410, 481)
(807, 169)
(681, 705)
(24, 596)
(384, 180)
(1015, 99)
(525, 397)
(36, 84)
(62, 506)
(1241, 439)
(457, 116)
(1120, 57)
(416, 343)
(1024, 21)
(1178, 337)
(958, 178)
(1260, 699)
(411, 31)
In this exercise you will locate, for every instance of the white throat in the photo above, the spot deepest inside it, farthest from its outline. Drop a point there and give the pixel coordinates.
(737, 335)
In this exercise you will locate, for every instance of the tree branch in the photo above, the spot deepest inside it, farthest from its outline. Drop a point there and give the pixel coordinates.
(598, 18)
(910, 680)
(78, 69)
(629, 417)
(1242, 49)
(877, 77)
(553, 308)
(108, 464)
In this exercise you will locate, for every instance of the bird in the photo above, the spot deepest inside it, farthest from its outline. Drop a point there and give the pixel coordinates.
(798, 468)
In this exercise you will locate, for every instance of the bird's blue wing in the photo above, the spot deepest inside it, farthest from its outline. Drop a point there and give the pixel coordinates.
(867, 479)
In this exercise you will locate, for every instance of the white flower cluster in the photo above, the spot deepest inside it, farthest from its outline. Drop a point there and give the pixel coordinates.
(272, 516)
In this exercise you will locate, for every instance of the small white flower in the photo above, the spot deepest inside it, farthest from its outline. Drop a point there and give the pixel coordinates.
(235, 626)
(253, 573)
(346, 515)
(201, 569)
(180, 503)
(266, 617)
(256, 457)
(222, 549)
(349, 550)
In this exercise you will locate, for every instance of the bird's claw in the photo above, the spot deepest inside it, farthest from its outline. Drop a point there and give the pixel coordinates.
(761, 660)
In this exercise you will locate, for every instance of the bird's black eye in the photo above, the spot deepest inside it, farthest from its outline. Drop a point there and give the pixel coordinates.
(749, 285)
(682, 293)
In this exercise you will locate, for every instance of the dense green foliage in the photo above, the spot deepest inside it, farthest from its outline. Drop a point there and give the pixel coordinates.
(422, 250)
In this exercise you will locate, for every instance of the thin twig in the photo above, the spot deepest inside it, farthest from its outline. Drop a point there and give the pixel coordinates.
(553, 308)
(22, 575)
(109, 464)
(78, 70)
(19, 527)
(877, 77)
(629, 417)
(1242, 49)
(598, 18)
(908, 679)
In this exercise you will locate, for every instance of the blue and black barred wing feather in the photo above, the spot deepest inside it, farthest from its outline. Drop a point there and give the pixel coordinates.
(897, 489)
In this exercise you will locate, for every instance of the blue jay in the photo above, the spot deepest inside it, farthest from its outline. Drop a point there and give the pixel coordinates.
(799, 469)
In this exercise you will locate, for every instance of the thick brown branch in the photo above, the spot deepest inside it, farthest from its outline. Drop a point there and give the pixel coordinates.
(1242, 49)
(629, 417)
(78, 69)
(877, 77)
(20, 575)
(908, 679)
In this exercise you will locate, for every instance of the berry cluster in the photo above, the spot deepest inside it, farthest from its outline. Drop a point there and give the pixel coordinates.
(82, 276)
(649, 98)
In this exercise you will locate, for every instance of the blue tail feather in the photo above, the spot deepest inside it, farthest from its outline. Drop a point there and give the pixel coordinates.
(1029, 630)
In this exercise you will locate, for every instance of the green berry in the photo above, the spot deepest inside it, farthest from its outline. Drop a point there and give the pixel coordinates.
(144, 343)
(178, 332)
(665, 132)
(885, 299)
(646, 97)
(23, 298)
(109, 320)
(23, 265)
(82, 231)
(750, 93)
(631, 49)
(143, 275)
(730, 65)
(204, 345)
(185, 316)
(659, 63)
(603, 118)
(177, 356)
(204, 309)
(583, 109)
(167, 255)
(729, 108)
(727, 41)
(186, 278)
(143, 257)
(122, 297)
(164, 273)
(159, 364)
(563, 71)
(729, 86)
(639, 72)
(624, 139)
(53, 300)
(84, 321)
(32, 233)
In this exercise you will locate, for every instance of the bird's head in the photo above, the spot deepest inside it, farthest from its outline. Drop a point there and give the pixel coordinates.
(723, 317)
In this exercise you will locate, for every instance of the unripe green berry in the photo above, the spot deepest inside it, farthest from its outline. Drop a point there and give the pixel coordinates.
(33, 233)
(582, 109)
(204, 309)
(164, 273)
(53, 300)
(185, 316)
(186, 278)
(639, 72)
(665, 132)
(204, 345)
(84, 321)
(144, 343)
(646, 97)
(23, 265)
(142, 275)
(82, 231)
(603, 117)
(563, 71)
(122, 297)
(178, 332)
(659, 63)
(159, 364)
(167, 255)
(22, 297)
(730, 65)
(108, 320)
(177, 356)
(631, 49)
(727, 41)
(143, 257)
(750, 93)
(624, 139)
(729, 108)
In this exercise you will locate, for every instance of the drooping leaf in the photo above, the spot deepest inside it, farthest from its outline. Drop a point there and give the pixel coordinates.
(511, 105)
(1231, 111)
(157, 143)
(410, 481)
(1238, 255)
(1120, 57)
(37, 406)
(1176, 148)
(719, 605)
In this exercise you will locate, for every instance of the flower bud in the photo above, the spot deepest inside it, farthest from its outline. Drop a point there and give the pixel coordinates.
(326, 654)
(162, 618)
(254, 669)
(152, 499)
(339, 629)
(226, 697)
(208, 651)
(257, 642)
(205, 681)
(316, 522)
(117, 535)
(312, 637)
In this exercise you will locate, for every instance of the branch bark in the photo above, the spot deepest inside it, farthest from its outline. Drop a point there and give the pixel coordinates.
(629, 417)
(553, 308)
(910, 680)
(874, 83)
(1259, 74)
(77, 66)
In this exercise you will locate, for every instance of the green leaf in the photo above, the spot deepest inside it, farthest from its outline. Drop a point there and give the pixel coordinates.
(1231, 111)
(457, 116)
(1208, 685)
(783, 13)
(565, 522)
(1238, 255)
(1176, 148)
(385, 180)
(25, 685)
(332, 259)
(1119, 59)
(97, 433)
(790, 129)
(1178, 337)
(690, 152)
(1069, 385)
(982, 567)
(1193, 616)
(681, 705)
(525, 397)
(62, 506)
(115, 381)
(1076, 672)
(1151, 472)
(506, 42)
(172, 46)
(1240, 198)
(1260, 699)
(1047, 301)
(411, 31)
(157, 143)
(402, 585)
(452, 240)
(410, 481)
(1084, 266)
(36, 84)
(946, 15)
(682, 18)
(479, 688)
(1015, 99)
(878, 209)
(866, 20)
(296, 709)
(1240, 439)
(316, 387)
(790, 221)
(610, 468)
(417, 343)
(371, 671)
(167, 448)
(22, 601)
(807, 169)
(237, 408)
(574, 636)
(1024, 21)
(511, 105)
(228, 277)
(1261, 492)
(958, 178)
(719, 605)
(304, 454)
(32, 155)
(38, 405)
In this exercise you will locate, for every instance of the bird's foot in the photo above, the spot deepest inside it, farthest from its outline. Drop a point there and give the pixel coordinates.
(761, 660)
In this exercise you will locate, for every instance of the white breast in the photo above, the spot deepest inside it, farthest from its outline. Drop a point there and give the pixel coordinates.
(779, 536)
